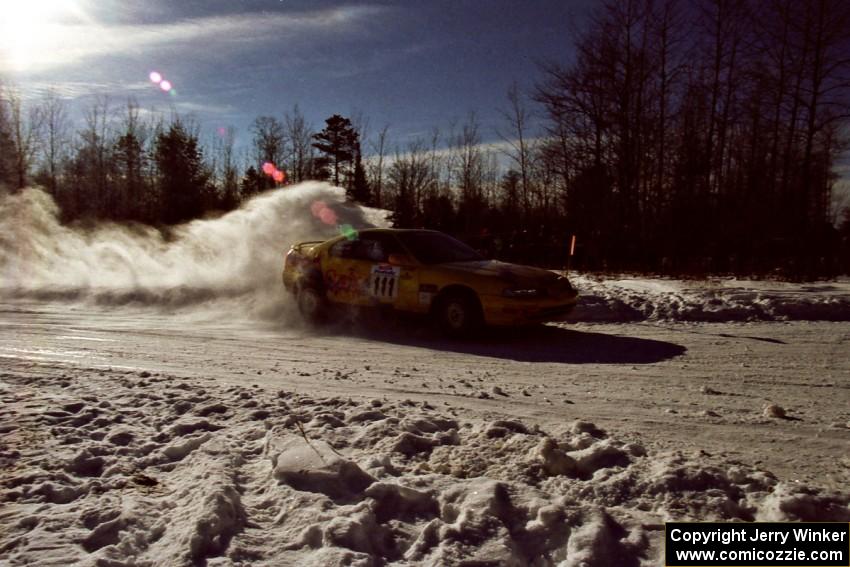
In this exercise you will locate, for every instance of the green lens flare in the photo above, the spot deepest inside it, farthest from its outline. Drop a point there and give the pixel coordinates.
(348, 231)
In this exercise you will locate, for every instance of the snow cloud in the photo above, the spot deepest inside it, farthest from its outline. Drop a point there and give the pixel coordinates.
(238, 255)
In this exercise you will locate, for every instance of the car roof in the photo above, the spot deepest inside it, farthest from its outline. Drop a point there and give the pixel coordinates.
(367, 231)
(393, 230)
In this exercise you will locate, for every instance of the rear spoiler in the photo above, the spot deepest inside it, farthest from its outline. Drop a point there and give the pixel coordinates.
(297, 247)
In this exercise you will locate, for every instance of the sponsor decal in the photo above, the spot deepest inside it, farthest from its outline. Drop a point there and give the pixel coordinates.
(344, 283)
(383, 282)
(427, 293)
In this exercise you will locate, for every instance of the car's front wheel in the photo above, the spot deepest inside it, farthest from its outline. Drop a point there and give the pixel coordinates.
(458, 314)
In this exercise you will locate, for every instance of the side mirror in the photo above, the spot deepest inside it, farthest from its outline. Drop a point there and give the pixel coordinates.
(400, 260)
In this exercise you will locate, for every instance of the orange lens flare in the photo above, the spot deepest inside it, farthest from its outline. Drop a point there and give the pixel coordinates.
(323, 212)
(272, 171)
(327, 216)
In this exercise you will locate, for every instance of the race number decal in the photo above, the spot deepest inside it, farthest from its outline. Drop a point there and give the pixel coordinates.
(383, 283)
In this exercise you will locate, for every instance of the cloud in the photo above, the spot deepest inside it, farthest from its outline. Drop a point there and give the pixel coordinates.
(203, 108)
(35, 90)
(62, 44)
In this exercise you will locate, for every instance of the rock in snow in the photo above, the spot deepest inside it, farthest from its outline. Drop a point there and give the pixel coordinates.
(774, 410)
(314, 467)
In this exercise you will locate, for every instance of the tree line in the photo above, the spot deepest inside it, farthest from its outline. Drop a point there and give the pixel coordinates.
(683, 137)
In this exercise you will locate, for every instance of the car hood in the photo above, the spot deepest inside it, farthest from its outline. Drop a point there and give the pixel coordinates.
(514, 274)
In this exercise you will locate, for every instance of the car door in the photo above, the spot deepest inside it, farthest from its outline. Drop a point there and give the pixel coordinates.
(395, 283)
(346, 273)
(358, 272)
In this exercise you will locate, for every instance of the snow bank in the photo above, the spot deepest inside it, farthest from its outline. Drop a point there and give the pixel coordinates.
(658, 299)
(118, 468)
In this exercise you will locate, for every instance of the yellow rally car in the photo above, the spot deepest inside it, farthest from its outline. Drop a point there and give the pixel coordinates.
(423, 271)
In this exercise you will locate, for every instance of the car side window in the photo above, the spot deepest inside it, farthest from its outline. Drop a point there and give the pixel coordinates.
(344, 249)
(372, 248)
(386, 244)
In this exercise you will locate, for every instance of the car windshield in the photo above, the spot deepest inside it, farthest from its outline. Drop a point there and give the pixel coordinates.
(438, 248)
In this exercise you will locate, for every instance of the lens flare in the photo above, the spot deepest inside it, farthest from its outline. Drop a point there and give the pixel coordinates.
(317, 206)
(272, 171)
(323, 212)
(327, 216)
(163, 83)
(348, 231)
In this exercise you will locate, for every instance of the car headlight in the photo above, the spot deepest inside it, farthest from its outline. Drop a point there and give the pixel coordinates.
(521, 293)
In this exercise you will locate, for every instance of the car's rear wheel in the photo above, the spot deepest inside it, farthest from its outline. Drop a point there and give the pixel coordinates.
(458, 314)
(311, 304)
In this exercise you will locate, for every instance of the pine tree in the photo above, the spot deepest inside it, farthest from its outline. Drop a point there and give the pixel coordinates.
(360, 190)
(183, 179)
(339, 143)
(252, 183)
(129, 158)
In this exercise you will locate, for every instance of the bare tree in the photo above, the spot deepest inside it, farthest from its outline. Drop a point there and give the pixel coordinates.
(490, 179)
(25, 127)
(360, 123)
(269, 144)
(667, 29)
(723, 29)
(438, 186)
(826, 100)
(6, 146)
(56, 136)
(408, 175)
(299, 135)
(520, 146)
(467, 170)
(225, 167)
(375, 166)
(93, 158)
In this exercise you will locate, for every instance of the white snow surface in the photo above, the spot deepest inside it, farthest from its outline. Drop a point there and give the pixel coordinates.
(127, 468)
(624, 299)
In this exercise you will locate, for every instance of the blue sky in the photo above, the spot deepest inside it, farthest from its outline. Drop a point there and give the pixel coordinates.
(411, 64)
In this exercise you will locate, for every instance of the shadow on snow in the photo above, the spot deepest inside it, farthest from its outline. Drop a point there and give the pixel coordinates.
(542, 343)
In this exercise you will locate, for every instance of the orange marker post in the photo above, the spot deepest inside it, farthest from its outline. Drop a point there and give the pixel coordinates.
(572, 251)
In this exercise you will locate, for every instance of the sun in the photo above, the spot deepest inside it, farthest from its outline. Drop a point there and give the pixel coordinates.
(24, 25)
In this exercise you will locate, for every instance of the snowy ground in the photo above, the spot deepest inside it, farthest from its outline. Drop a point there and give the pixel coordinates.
(154, 412)
(138, 438)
